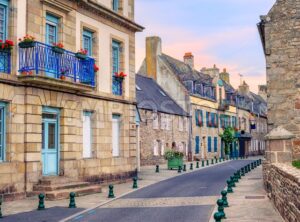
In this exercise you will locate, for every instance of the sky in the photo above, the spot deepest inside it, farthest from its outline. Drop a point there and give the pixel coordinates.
(221, 32)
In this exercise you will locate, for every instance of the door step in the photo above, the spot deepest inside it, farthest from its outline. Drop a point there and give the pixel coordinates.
(58, 188)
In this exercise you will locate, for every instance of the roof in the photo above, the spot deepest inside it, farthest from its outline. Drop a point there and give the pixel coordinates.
(151, 96)
(254, 103)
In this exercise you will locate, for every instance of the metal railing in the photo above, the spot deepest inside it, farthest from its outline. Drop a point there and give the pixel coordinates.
(43, 60)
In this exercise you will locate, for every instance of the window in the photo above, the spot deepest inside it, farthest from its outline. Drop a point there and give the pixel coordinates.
(187, 124)
(116, 135)
(199, 117)
(155, 120)
(51, 29)
(87, 42)
(115, 5)
(2, 131)
(117, 84)
(216, 144)
(163, 124)
(180, 124)
(209, 144)
(3, 19)
(197, 145)
(155, 148)
(169, 122)
(87, 134)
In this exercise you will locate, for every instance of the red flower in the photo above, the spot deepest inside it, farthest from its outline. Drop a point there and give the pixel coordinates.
(83, 51)
(96, 68)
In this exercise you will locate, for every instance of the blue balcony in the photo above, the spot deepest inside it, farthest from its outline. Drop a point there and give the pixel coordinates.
(41, 63)
(5, 61)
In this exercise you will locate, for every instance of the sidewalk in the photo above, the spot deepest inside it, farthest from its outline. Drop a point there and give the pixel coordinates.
(249, 202)
(147, 176)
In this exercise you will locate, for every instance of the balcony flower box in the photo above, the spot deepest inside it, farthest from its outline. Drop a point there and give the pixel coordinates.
(119, 76)
(175, 159)
(26, 44)
(81, 54)
(58, 48)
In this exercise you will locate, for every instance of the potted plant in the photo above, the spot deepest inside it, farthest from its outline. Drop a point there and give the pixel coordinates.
(58, 48)
(175, 159)
(63, 73)
(6, 46)
(120, 76)
(81, 54)
(27, 41)
(228, 137)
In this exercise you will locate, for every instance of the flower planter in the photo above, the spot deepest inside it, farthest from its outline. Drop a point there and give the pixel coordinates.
(118, 79)
(80, 56)
(26, 44)
(63, 77)
(175, 163)
(58, 50)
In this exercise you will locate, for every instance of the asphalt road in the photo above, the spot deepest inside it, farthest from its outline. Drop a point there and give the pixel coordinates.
(208, 182)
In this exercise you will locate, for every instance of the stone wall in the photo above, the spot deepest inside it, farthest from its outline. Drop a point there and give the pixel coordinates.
(166, 137)
(282, 40)
(282, 183)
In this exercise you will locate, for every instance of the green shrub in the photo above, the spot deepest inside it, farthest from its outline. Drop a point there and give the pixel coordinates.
(296, 164)
(171, 154)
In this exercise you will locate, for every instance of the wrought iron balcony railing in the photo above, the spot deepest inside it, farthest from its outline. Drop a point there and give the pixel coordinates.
(5, 61)
(41, 59)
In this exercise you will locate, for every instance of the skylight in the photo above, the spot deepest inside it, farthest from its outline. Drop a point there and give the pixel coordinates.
(138, 88)
(161, 92)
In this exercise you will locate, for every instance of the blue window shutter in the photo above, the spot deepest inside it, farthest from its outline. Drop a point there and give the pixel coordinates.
(197, 145)
(207, 118)
(209, 144)
(4, 19)
(213, 119)
(215, 144)
(51, 29)
(2, 131)
(116, 56)
(201, 113)
(87, 41)
(197, 117)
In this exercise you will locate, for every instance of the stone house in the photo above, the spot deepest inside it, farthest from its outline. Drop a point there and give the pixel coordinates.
(279, 31)
(206, 95)
(61, 122)
(164, 125)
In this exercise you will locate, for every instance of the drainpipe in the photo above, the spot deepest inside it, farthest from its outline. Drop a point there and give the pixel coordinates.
(189, 109)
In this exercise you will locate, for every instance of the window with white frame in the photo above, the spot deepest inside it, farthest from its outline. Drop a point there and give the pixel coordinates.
(2, 131)
(180, 123)
(87, 134)
(3, 19)
(116, 135)
(163, 121)
(155, 148)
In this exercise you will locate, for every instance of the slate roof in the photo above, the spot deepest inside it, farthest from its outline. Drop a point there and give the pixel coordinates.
(259, 104)
(184, 71)
(151, 96)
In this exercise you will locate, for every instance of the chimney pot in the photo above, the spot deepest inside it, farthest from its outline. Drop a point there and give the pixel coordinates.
(189, 59)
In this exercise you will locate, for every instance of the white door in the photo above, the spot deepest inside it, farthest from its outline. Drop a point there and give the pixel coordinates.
(87, 135)
(116, 135)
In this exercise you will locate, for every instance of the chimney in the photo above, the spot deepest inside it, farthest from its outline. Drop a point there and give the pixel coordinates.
(244, 88)
(262, 91)
(189, 59)
(225, 76)
(153, 50)
(212, 72)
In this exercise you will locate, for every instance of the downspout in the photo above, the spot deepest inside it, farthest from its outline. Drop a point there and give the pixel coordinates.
(189, 109)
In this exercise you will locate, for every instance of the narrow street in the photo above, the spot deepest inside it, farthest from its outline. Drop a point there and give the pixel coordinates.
(190, 197)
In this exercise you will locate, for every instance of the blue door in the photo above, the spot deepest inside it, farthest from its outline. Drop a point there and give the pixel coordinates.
(52, 58)
(197, 145)
(50, 154)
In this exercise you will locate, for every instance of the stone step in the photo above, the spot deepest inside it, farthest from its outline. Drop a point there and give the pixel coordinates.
(52, 180)
(64, 193)
(53, 187)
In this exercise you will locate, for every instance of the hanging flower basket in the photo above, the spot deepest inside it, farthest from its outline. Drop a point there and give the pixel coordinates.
(58, 48)
(6, 46)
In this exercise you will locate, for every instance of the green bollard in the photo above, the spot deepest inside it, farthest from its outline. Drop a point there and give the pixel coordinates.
(207, 162)
(242, 172)
(224, 198)
(220, 160)
(184, 167)
(202, 163)
(157, 169)
(235, 177)
(72, 203)
(191, 166)
(229, 187)
(246, 169)
(232, 181)
(179, 169)
(252, 166)
(41, 202)
(197, 164)
(249, 168)
(1, 208)
(217, 217)
(221, 208)
(216, 160)
(212, 161)
(111, 191)
(134, 186)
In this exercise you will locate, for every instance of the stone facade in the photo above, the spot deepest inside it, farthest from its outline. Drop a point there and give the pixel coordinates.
(157, 137)
(23, 165)
(279, 32)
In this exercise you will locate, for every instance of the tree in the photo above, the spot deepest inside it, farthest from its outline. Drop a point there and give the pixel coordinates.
(228, 137)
